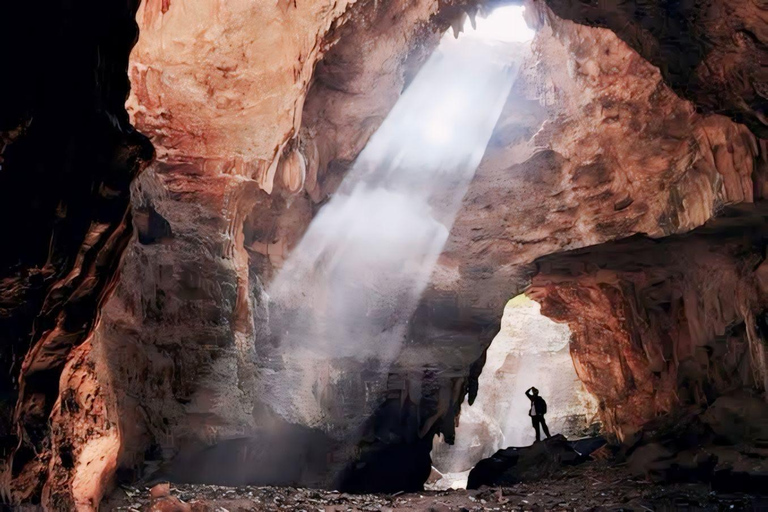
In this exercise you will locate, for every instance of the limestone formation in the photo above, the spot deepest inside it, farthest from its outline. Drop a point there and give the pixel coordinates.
(622, 189)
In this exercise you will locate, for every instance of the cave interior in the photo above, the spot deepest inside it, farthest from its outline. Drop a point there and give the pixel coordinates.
(167, 166)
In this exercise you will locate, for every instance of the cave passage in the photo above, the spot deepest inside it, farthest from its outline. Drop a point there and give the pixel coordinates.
(530, 349)
(339, 308)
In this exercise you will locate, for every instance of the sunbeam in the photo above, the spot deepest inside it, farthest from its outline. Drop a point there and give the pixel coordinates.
(340, 306)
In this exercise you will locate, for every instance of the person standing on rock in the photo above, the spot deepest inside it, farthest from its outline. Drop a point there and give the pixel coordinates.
(537, 412)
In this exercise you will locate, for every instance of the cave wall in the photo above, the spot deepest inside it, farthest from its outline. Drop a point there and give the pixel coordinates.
(593, 146)
(217, 213)
(67, 157)
(256, 111)
(661, 325)
(712, 53)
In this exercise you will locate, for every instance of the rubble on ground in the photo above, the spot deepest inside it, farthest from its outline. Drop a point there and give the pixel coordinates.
(526, 464)
(594, 485)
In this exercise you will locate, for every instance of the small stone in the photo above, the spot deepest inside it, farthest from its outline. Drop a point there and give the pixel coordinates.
(160, 490)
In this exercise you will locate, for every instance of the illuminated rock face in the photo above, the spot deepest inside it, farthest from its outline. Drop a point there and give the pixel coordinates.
(229, 84)
(658, 326)
(226, 81)
(256, 110)
(593, 147)
(220, 207)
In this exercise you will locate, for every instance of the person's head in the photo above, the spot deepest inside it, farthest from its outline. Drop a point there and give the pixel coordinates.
(534, 391)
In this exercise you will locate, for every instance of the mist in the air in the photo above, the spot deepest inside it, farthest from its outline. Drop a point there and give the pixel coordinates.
(339, 308)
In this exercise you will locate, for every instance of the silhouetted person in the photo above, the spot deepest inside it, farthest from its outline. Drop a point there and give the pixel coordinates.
(537, 412)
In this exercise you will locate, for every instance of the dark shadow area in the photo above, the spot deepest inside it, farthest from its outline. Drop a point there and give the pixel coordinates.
(67, 157)
(293, 455)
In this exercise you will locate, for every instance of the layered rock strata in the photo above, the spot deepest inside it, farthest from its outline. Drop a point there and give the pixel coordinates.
(659, 325)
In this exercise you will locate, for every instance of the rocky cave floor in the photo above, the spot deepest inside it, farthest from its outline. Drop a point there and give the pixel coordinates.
(596, 485)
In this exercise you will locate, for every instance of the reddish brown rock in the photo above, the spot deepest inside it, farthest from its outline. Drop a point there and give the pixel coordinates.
(713, 53)
(161, 500)
(67, 157)
(181, 330)
(257, 110)
(660, 325)
(592, 147)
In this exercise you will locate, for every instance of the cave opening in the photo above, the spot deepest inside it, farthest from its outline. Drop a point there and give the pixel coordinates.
(530, 349)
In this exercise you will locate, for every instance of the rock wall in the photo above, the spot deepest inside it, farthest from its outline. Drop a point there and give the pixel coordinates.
(592, 146)
(234, 185)
(712, 53)
(661, 325)
(256, 110)
(67, 158)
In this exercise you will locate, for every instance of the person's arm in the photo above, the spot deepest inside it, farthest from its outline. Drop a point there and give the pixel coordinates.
(528, 394)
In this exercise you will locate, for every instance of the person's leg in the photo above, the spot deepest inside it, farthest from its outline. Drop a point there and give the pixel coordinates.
(544, 426)
(535, 422)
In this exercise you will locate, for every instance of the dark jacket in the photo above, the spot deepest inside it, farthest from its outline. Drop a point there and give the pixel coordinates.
(539, 403)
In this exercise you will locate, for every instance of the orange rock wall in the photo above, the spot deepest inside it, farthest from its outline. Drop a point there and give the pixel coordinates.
(662, 325)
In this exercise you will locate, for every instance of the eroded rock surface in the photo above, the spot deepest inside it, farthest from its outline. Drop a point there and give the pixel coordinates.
(662, 324)
(713, 53)
(257, 110)
(67, 158)
(180, 333)
(527, 464)
(592, 146)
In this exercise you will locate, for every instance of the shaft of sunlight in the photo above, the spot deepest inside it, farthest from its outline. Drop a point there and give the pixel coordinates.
(340, 306)
(506, 24)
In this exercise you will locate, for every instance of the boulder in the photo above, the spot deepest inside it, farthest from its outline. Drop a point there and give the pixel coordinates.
(161, 500)
(739, 418)
(658, 463)
(514, 465)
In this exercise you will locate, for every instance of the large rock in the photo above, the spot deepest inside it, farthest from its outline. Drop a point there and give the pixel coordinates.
(739, 418)
(651, 322)
(691, 446)
(657, 463)
(721, 446)
(514, 465)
